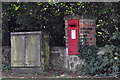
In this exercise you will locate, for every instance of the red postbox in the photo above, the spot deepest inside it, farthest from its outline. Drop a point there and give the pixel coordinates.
(73, 30)
(77, 26)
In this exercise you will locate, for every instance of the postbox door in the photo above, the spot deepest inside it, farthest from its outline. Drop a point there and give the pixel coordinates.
(73, 29)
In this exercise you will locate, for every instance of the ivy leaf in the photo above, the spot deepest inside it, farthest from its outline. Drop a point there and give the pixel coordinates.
(96, 64)
(105, 59)
(104, 64)
(111, 60)
(100, 56)
(105, 69)
(116, 53)
(118, 48)
(108, 49)
(115, 68)
(119, 37)
(115, 35)
(104, 74)
(92, 70)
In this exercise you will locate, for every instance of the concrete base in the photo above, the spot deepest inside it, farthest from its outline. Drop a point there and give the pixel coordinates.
(38, 70)
(72, 61)
(58, 57)
(61, 59)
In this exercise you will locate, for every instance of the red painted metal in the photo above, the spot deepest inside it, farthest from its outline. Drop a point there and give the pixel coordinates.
(73, 38)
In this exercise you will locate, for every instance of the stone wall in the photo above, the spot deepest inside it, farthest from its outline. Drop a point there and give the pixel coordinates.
(6, 58)
(57, 58)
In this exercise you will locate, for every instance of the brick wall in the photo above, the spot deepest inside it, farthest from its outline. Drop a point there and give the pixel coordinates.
(87, 29)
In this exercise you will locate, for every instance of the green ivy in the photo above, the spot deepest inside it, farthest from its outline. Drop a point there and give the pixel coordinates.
(106, 64)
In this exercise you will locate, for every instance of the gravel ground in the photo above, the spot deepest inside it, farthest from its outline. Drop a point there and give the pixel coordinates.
(46, 74)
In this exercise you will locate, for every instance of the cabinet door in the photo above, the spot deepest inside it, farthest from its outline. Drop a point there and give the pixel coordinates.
(17, 51)
(32, 50)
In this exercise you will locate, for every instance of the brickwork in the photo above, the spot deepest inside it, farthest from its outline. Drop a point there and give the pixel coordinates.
(87, 29)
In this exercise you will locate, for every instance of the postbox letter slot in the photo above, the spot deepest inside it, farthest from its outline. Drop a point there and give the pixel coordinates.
(72, 25)
(73, 34)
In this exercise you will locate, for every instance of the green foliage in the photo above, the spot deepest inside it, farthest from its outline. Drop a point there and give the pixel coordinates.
(27, 16)
(6, 67)
(106, 63)
(88, 54)
(116, 35)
